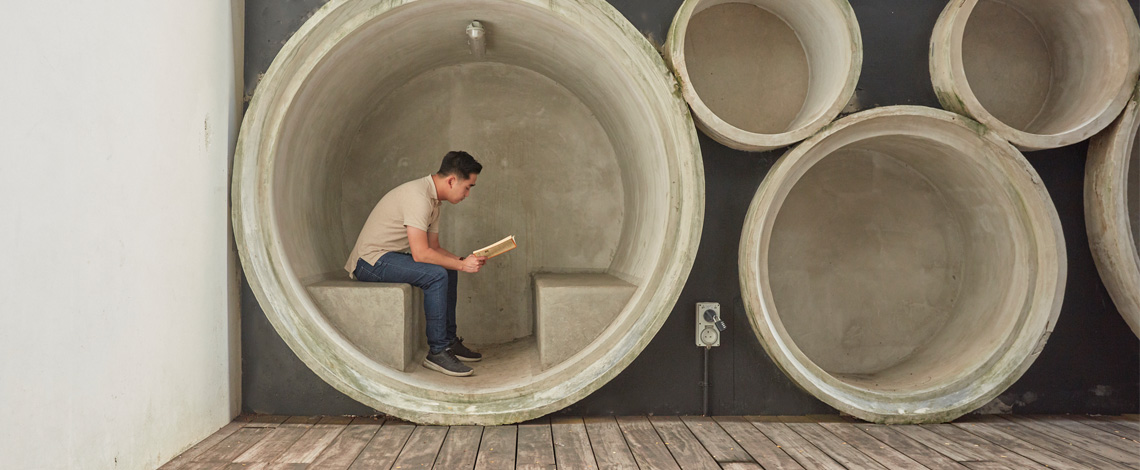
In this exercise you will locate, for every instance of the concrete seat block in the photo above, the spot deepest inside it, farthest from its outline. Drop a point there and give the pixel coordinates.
(384, 320)
(573, 309)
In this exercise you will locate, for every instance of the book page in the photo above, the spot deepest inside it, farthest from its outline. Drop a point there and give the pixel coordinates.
(497, 248)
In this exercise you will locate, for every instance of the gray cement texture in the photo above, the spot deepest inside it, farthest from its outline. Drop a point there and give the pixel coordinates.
(1090, 363)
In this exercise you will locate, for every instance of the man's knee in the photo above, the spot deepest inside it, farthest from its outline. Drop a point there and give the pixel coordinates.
(437, 275)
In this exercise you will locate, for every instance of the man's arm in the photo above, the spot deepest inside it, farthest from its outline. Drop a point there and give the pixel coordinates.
(433, 242)
(423, 252)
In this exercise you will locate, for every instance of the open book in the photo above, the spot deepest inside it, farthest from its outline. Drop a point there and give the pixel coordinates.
(497, 248)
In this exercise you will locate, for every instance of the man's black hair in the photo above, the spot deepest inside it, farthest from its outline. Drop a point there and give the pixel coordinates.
(460, 164)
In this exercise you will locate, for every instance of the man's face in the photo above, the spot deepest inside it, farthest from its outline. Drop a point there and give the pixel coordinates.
(460, 188)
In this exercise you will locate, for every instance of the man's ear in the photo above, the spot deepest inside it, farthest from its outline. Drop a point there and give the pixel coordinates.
(452, 180)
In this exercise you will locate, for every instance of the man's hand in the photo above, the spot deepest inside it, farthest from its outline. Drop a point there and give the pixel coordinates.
(471, 264)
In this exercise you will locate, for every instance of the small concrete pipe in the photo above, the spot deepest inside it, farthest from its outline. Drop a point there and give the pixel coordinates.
(1040, 73)
(1112, 210)
(589, 158)
(904, 265)
(763, 74)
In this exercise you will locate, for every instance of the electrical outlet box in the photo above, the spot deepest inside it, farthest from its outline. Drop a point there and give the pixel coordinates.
(709, 324)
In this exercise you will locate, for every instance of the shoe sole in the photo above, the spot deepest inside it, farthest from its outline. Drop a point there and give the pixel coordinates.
(468, 359)
(438, 368)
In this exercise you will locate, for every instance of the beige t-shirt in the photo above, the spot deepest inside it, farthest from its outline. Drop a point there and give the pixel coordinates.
(412, 204)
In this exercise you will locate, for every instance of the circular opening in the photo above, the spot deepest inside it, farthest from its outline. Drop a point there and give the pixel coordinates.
(888, 257)
(1026, 63)
(764, 74)
(901, 266)
(589, 160)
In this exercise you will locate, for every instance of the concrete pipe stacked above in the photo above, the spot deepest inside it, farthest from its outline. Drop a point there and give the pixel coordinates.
(764, 74)
(904, 265)
(590, 159)
(1112, 210)
(1040, 73)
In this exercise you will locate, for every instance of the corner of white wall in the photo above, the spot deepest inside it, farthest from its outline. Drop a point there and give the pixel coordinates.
(118, 285)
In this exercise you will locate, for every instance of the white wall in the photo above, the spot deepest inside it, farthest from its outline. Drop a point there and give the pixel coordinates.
(118, 318)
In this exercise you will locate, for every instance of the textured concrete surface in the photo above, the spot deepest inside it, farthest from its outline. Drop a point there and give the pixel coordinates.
(1112, 211)
(571, 310)
(384, 320)
(1022, 67)
(904, 265)
(1091, 363)
(550, 178)
(590, 158)
(763, 74)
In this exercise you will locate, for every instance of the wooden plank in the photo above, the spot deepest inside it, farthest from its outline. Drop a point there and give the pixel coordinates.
(797, 447)
(686, 449)
(497, 449)
(194, 451)
(203, 466)
(275, 444)
(610, 449)
(763, 450)
(265, 421)
(381, 452)
(266, 466)
(315, 440)
(719, 444)
(645, 444)
(302, 420)
(965, 446)
(836, 448)
(571, 443)
(234, 445)
(1078, 440)
(1108, 426)
(1076, 454)
(348, 445)
(986, 466)
(535, 447)
(1131, 421)
(882, 453)
(421, 448)
(919, 452)
(741, 466)
(460, 448)
(1109, 439)
(1007, 441)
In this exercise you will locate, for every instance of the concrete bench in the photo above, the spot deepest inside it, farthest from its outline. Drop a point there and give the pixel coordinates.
(573, 309)
(384, 320)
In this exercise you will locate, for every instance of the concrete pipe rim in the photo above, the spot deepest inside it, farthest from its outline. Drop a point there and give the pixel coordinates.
(942, 400)
(955, 92)
(1109, 209)
(841, 17)
(299, 322)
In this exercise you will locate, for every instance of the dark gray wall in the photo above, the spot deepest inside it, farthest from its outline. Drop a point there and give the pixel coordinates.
(1091, 363)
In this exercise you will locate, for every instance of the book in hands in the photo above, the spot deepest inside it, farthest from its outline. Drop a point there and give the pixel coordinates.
(497, 248)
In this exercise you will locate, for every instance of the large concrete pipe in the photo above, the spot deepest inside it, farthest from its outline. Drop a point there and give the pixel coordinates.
(904, 265)
(590, 159)
(763, 74)
(1040, 73)
(1112, 210)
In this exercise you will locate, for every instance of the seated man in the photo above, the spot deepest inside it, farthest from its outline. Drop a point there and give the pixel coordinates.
(407, 220)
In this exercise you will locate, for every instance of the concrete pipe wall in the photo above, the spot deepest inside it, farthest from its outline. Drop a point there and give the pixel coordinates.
(590, 160)
(904, 265)
(1112, 210)
(763, 74)
(1040, 73)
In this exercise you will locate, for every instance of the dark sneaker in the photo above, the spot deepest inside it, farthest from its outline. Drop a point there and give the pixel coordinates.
(462, 353)
(445, 362)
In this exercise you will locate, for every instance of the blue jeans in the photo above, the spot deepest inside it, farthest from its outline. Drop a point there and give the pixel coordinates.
(439, 286)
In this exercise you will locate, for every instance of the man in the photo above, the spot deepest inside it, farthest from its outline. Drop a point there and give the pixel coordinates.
(400, 243)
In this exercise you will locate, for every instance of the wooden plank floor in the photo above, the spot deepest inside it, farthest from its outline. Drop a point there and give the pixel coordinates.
(656, 442)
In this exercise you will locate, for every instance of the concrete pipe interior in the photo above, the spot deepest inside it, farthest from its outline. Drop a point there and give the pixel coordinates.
(1112, 211)
(1023, 67)
(761, 74)
(589, 159)
(902, 268)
